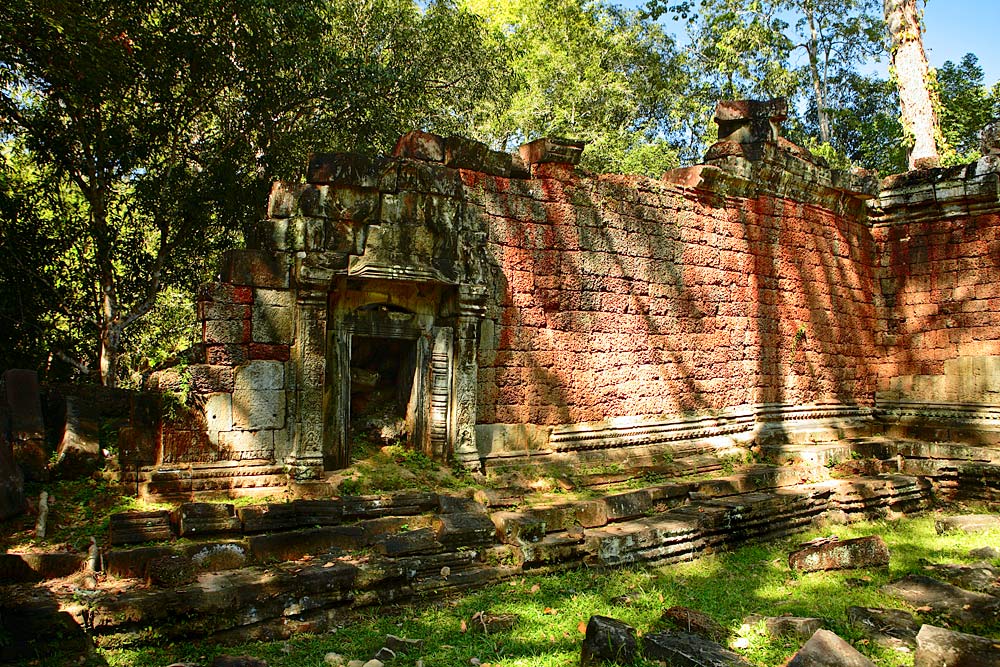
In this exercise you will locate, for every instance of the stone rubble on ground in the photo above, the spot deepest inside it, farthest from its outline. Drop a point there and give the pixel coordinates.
(891, 628)
(836, 554)
(826, 649)
(967, 523)
(688, 650)
(966, 608)
(937, 647)
(787, 626)
(608, 640)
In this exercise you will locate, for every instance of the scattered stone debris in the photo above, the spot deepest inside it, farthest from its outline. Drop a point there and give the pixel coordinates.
(608, 640)
(787, 626)
(966, 608)
(979, 577)
(694, 622)
(937, 647)
(682, 648)
(985, 553)
(836, 554)
(238, 661)
(491, 624)
(402, 645)
(826, 649)
(967, 523)
(891, 628)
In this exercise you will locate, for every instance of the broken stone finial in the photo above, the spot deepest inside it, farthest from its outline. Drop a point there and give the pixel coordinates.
(750, 121)
(746, 127)
(989, 138)
(552, 149)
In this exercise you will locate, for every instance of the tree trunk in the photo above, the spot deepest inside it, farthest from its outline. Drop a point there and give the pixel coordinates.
(109, 331)
(916, 99)
(819, 89)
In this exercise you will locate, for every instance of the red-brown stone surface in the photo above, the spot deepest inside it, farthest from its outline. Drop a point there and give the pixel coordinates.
(625, 296)
(938, 293)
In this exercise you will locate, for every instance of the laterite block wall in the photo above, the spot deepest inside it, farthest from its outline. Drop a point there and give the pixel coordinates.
(626, 296)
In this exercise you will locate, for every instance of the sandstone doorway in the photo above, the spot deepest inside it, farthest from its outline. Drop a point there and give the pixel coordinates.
(387, 368)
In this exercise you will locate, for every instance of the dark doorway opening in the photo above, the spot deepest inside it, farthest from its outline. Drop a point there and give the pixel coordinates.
(382, 404)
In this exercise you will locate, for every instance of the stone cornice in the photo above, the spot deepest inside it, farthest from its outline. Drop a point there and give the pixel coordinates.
(938, 194)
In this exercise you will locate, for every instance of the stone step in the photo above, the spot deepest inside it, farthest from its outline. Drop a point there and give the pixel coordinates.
(687, 531)
(196, 481)
(824, 454)
(513, 527)
(619, 459)
(669, 537)
(758, 478)
(221, 601)
(885, 447)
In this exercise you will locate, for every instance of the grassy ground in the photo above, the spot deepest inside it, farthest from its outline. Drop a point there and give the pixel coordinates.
(554, 609)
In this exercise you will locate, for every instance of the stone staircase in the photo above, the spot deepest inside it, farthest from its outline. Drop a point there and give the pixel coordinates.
(269, 570)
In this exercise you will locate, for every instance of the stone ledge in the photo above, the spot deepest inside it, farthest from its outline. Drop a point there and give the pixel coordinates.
(938, 194)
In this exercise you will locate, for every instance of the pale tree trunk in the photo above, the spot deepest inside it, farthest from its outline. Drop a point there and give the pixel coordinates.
(108, 326)
(818, 82)
(909, 63)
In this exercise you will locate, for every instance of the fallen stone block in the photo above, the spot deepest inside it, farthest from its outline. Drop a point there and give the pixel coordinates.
(957, 604)
(968, 523)
(554, 549)
(465, 529)
(295, 544)
(23, 568)
(132, 562)
(265, 518)
(402, 645)
(788, 626)
(420, 541)
(309, 513)
(137, 527)
(170, 571)
(400, 504)
(608, 640)
(937, 647)
(837, 554)
(979, 577)
(985, 553)
(206, 519)
(891, 628)
(694, 622)
(681, 649)
(825, 649)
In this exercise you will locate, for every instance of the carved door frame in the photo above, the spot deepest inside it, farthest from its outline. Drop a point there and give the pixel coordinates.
(432, 383)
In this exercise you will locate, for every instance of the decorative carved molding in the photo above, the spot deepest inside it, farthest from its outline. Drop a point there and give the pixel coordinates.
(632, 431)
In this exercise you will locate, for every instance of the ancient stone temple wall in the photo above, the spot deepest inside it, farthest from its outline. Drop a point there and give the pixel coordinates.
(631, 297)
(937, 238)
(508, 309)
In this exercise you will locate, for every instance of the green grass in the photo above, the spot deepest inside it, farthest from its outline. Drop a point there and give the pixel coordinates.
(728, 586)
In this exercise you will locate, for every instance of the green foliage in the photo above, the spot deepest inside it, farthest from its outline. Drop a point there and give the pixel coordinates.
(966, 106)
(591, 71)
(142, 139)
